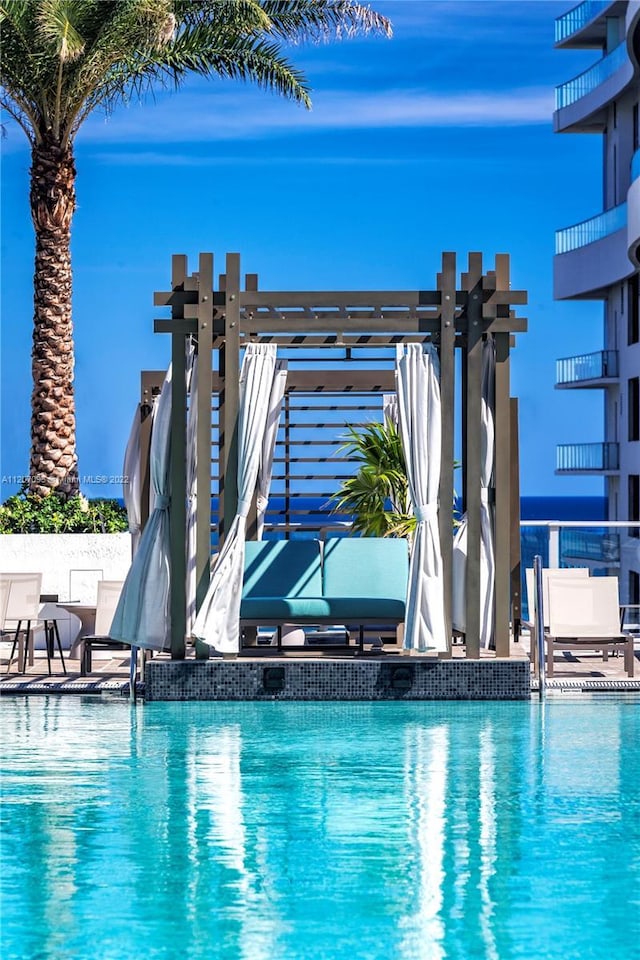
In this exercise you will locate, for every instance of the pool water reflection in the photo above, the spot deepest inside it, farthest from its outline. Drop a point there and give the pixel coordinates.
(300, 831)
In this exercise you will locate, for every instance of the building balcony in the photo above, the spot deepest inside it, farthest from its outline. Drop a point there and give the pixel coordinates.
(592, 255)
(633, 205)
(588, 370)
(585, 26)
(581, 102)
(592, 230)
(588, 458)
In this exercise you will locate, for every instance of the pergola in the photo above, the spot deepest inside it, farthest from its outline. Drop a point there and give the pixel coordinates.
(343, 341)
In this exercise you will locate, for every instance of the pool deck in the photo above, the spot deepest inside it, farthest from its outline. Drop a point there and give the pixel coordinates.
(582, 671)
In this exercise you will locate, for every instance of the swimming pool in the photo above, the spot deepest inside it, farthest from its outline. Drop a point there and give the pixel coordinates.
(320, 831)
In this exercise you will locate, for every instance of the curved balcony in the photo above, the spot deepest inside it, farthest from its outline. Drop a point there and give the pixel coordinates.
(588, 458)
(581, 102)
(585, 25)
(588, 370)
(633, 205)
(592, 255)
(592, 230)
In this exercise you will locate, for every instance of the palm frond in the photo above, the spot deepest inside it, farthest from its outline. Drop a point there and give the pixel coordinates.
(321, 20)
(377, 496)
(63, 58)
(57, 23)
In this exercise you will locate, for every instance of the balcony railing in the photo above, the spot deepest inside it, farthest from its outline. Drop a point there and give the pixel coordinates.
(600, 545)
(594, 546)
(580, 457)
(590, 366)
(579, 17)
(580, 234)
(584, 83)
(635, 166)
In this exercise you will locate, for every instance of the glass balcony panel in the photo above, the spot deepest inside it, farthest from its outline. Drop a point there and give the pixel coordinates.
(578, 457)
(595, 546)
(589, 366)
(584, 83)
(578, 18)
(589, 231)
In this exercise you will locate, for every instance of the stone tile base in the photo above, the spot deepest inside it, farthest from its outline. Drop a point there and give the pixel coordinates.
(400, 678)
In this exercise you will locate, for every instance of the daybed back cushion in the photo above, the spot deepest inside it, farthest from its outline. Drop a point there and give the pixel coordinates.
(282, 568)
(357, 568)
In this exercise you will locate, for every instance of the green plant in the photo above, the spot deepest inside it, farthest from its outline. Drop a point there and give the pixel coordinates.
(377, 496)
(28, 513)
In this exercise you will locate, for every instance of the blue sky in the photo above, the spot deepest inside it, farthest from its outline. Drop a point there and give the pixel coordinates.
(438, 139)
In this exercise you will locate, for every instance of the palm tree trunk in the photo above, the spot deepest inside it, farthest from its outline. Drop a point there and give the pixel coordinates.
(54, 462)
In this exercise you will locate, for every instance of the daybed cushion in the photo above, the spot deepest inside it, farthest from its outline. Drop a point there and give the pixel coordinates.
(281, 577)
(366, 576)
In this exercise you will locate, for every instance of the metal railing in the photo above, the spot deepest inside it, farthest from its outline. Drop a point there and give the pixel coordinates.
(538, 627)
(577, 457)
(589, 231)
(605, 546)
(573, 90)
(603, 364)
(591, 546)
(574, 20)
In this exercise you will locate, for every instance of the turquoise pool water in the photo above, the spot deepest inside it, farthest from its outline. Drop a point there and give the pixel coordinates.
(270, 831)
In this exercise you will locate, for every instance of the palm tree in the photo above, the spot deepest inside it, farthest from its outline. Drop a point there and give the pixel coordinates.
(377, 495)
(61, 59)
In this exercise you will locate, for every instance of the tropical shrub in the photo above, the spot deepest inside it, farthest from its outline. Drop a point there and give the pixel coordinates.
(377, 495)
(27, 513)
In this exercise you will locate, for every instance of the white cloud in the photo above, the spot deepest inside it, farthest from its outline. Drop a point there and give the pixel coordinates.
(200, 117)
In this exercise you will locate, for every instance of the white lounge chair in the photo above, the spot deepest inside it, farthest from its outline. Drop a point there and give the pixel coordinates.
(570, 572)
(108, 594)
(584, 613)
(23, 607)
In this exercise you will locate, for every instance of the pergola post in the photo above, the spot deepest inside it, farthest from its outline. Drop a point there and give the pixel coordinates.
(447, 286)
(178, 456)
(472, 402)
(515, 547)
(230, 394)
(205, 311)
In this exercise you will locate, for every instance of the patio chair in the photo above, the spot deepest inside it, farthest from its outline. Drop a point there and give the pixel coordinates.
(584, 613)
(562, 572)
(108, 594)
(22, 607)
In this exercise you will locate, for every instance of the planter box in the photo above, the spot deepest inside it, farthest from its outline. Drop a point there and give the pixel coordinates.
(70, 563)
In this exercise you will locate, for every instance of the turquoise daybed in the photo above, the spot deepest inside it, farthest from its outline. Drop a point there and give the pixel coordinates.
(343, 580)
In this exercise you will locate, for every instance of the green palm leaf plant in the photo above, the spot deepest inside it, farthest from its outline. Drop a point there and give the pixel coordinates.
(63, 59)
(377, 495)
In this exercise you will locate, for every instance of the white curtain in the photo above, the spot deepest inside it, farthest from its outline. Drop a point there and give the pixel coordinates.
(131, 487)
(390, 408)
(487, 551)
(420, 422)
(269, 441)
(192, 501)
(218, 620)
(142, 614)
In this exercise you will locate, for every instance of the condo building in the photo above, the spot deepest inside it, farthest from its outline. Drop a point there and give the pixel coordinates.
(599, 259)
